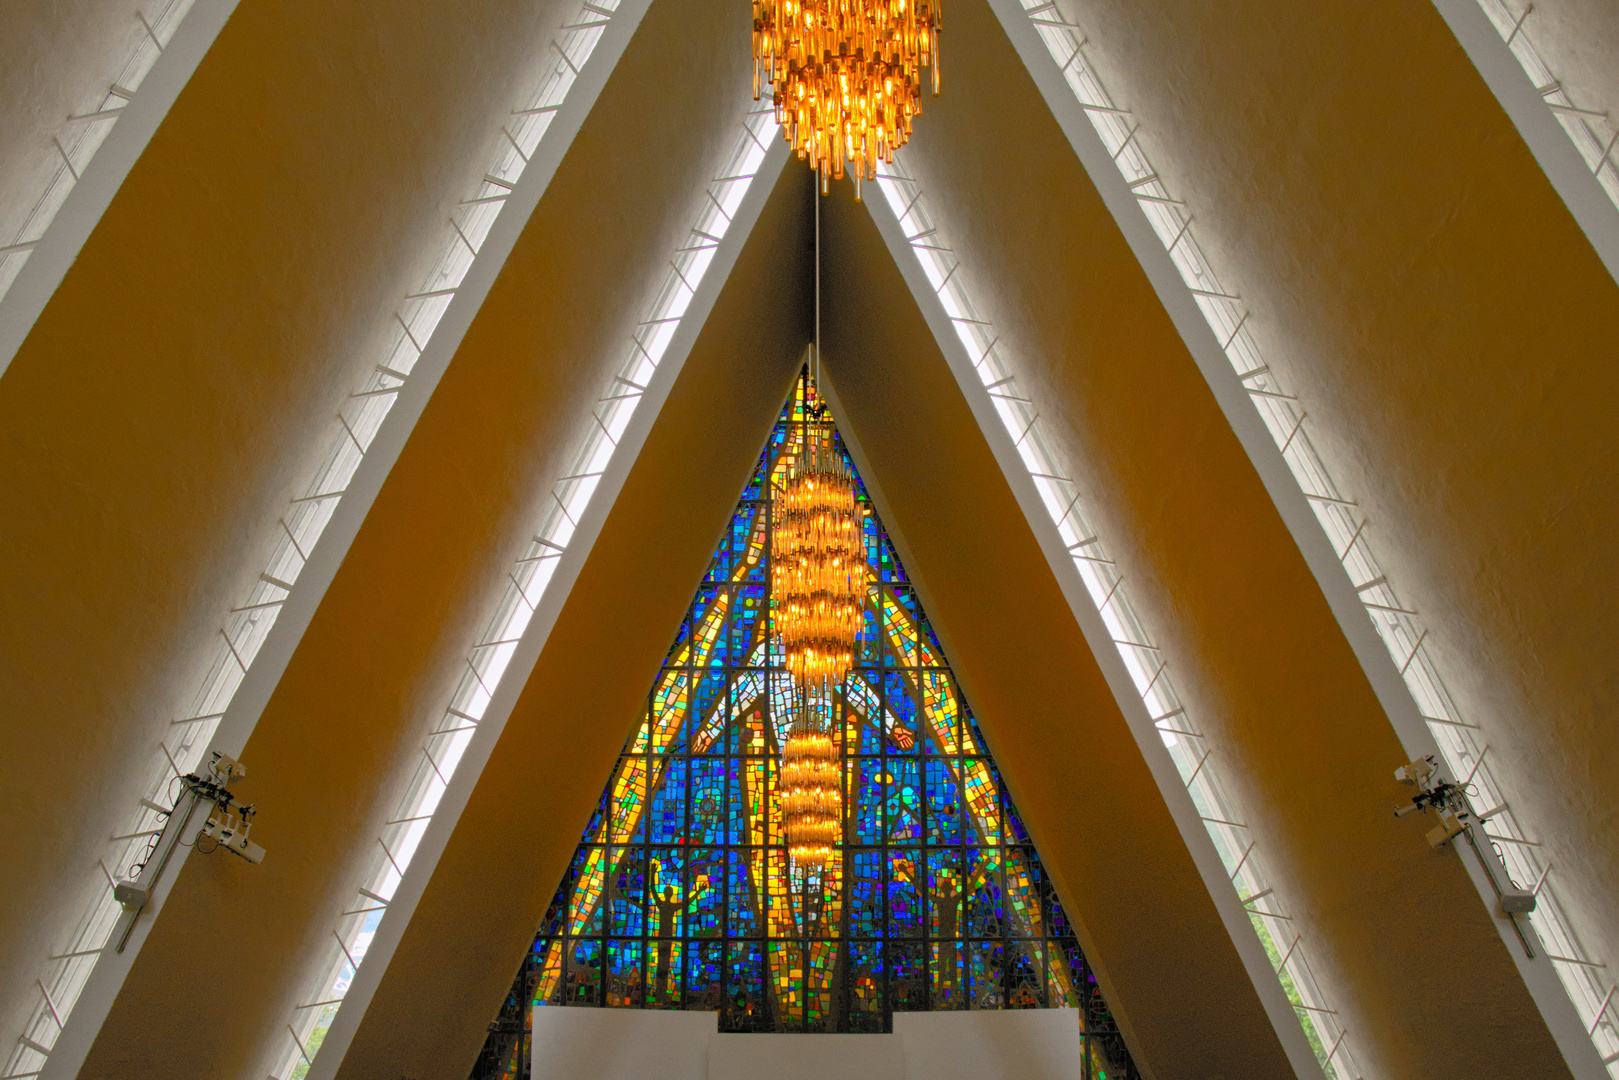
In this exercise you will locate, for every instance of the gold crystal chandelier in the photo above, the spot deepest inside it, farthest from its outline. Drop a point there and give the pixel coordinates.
(847, 76)
(818, 587)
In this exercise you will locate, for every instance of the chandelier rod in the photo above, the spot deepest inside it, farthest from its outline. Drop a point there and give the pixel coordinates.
(816, 199)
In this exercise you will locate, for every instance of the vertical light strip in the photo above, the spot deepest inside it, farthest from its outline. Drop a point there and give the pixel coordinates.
(1590, 130)
(1188, 746)
(1460, 740)
(486, 665)
(65, 974)
(82, 134)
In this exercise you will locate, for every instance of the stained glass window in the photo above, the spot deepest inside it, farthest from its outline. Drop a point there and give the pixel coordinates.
(681, 896)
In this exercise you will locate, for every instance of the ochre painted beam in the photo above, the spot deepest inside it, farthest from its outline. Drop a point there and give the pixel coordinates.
(496, 877)
(183, 382)
(343, 732)
(1127, 880)
(1300, 739)
(1418, 283)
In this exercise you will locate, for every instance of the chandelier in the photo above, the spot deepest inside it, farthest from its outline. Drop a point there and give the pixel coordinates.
(847, 76)
(818, 586)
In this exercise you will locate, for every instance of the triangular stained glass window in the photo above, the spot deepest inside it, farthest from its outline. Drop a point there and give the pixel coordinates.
(681, 896)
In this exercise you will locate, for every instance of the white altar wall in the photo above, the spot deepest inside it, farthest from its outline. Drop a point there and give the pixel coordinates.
(622, 1044)
(636, 1044)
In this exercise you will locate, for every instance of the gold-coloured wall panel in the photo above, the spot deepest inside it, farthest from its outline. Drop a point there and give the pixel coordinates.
(1127, 880)
(1418, 283)
(1255, 653)
(501, 867)
(343, 731)
(181, 384)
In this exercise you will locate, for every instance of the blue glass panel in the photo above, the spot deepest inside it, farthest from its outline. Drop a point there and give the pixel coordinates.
(666, 824)
(719, 564)
(679, 895)
(864, 696)
(744, 900)
(710, 818)
(888, 564)
(870, 784)
(863, 868)
(745, 623)
(705, 892)
(944, 801)
(903, 804)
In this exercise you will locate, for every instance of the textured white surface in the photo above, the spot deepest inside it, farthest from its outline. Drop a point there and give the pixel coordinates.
(607, 1044)
(1025, 1044)
(805, 1057)
(630, 1044)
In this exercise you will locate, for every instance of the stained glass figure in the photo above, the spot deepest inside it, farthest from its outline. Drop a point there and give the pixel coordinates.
(681, 894)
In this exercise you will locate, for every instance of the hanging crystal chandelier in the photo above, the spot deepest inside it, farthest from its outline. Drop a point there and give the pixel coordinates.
(818, 586)
(847, 76)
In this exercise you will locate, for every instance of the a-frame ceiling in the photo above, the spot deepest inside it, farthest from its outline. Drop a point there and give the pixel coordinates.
(1224, 591)
(1143, 914)
(258, 320)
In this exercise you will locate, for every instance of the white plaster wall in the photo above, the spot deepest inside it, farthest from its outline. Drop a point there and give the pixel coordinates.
(632, 1044)
(806, 1057)
(1018, 1044)
(621, 1044)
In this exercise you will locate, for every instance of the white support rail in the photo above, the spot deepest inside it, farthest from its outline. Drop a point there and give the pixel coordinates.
(1195, 759)
(83, 133)
(65, 973)
(449, 743)
(1585, 978)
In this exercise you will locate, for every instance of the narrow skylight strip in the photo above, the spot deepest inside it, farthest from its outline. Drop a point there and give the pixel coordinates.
(447, 743)
(1592, 131)
(82, 134)
(246, 626)
(1188, 746)
(1586, 980)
